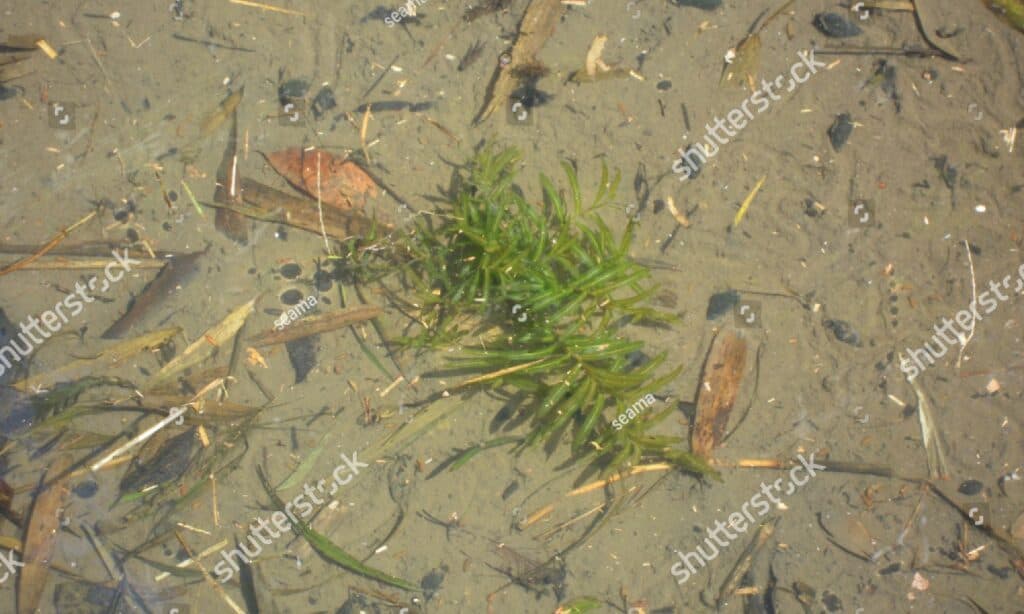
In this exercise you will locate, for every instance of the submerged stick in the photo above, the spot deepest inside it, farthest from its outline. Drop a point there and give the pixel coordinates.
(52, 243)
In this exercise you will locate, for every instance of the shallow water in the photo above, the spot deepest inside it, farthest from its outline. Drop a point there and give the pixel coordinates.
(843, 261)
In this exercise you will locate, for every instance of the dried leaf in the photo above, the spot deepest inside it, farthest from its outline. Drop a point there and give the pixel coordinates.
(849, 534)
(341, 183)
(313, 325)
(720, 383)
(227, 222)
(205, 345)
(41, 537)
(108, 359)
(269, 204)
(743, 69)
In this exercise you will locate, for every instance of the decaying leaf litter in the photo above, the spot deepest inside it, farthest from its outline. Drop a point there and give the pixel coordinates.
(171, 472)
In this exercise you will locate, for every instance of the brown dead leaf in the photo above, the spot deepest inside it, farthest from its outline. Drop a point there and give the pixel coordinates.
(742, 70)
(720, 383)
(41, 537)
(342, 183)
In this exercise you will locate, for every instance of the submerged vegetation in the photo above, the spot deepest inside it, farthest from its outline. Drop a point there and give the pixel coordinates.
(539, 297)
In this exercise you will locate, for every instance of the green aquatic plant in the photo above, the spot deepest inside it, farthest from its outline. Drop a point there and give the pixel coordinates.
(539, 297)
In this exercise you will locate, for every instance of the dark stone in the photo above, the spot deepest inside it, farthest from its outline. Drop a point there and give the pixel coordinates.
(722, 303)
(970, 487)
(832, 602)
(843, 332)
(836, 26)
(302, 355)
(292, 90)
(431, 583)
(291, 271)
(840, 131)
(693, 158)
(86, 490)
(323, 102)
(291, 297)
(664, 85)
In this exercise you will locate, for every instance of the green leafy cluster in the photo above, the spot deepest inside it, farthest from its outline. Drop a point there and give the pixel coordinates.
(538, 296)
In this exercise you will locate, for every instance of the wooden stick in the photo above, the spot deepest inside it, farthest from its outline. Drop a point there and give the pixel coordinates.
(52, 243)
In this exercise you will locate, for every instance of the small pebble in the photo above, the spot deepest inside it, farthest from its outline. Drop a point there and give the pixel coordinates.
(323, 102)
(835, 25)
(840, 131)
(970, 487)
(291, 271)
(292, 90)
(86, 489)
(721, 303)
(664, 85)
(843, 332)
(291, 297)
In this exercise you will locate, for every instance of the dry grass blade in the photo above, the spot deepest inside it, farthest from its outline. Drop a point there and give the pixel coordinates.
(66, 263)
(720, 383)
(109, 358)
(206, 344)
(937, 468)
(52, 243)
(41, 538)
(313, 325)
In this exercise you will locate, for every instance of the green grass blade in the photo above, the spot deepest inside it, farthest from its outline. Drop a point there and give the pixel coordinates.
(329, 550)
